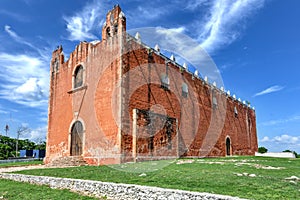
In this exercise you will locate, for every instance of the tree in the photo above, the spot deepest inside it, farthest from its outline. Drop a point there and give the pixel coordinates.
(21, 130)
(262, 150)
(40, 143)
(5, 151)
(8, 146)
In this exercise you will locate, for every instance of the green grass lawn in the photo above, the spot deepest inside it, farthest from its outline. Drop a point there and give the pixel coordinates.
(25, 191)
(214, 175)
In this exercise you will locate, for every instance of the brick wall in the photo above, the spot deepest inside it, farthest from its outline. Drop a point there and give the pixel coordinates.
(202, 129)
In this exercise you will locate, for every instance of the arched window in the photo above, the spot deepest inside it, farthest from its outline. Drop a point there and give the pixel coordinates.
(78, 77)
(165, 81)
(185, 90)
(76, 139)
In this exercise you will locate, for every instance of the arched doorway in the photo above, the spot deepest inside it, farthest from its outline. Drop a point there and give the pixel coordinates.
(76, 139)
(228, 147)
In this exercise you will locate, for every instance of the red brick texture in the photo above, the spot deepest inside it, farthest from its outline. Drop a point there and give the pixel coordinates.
(129, 115)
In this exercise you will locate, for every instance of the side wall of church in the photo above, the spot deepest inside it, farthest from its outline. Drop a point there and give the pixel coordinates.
(203, 124)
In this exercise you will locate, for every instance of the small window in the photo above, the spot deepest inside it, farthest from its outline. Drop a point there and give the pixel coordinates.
(165, 81)
(185, 90)
(215, 102)
(78, 77)
(235, 112)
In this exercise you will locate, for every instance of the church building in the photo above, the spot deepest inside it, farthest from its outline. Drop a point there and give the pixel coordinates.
(118, 100)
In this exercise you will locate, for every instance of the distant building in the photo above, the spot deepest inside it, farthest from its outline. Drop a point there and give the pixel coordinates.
(118, 100)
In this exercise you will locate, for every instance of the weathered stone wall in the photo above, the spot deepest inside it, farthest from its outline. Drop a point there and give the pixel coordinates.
(113, 190)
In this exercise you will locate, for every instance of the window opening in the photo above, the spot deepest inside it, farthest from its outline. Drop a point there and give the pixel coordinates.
(235, 112)
(78, 77)
(165, 82)
(185, 90)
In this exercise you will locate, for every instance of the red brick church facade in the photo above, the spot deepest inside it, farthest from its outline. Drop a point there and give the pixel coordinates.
(118, 100)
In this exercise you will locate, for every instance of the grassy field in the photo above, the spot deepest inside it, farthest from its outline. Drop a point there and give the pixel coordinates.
(24, 191)
(247, 177)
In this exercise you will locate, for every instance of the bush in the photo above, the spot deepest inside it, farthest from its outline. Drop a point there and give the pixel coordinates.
(262, 150)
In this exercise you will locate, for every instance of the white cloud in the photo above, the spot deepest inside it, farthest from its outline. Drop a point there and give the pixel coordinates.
(283, 139)
(31, 89)
(223, 22)
(81, 25)
(287, 139)
(11, 33)
(26, 79)
(272, 89)
(265, 139)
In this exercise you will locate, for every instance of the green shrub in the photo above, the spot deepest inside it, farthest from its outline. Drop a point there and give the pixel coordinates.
(262, 150)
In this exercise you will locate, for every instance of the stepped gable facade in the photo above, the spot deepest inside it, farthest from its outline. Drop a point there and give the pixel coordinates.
(118, 100)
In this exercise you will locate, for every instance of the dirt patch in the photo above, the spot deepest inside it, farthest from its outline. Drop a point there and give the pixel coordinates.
(21, 168)
(180, 162)
(259, 166)
(246, 174)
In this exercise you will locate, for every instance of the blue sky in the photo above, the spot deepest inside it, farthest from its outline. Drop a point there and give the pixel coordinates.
(254, 43)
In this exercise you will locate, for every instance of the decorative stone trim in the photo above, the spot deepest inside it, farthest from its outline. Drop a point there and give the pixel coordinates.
(77, 89)
(113, 190)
